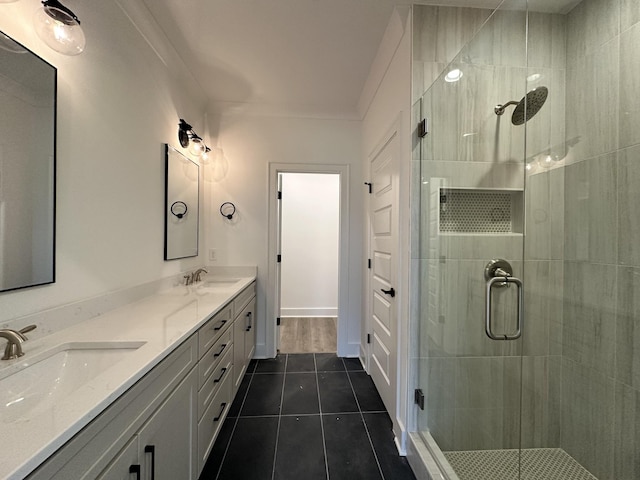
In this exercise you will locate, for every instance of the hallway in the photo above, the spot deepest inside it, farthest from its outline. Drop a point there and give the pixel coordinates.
(311, 416)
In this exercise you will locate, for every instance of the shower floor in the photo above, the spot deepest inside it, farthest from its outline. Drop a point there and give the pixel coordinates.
(537, 464)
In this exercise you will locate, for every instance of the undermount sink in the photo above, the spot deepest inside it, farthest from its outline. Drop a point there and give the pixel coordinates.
(219, 282)
(36, 385)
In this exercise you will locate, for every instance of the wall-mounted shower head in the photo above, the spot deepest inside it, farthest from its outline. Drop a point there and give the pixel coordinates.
(531, 103)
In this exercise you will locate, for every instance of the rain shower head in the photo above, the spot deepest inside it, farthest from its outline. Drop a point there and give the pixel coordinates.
(531, 103)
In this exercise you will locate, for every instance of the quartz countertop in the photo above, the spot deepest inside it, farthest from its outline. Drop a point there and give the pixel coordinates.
(160, 323)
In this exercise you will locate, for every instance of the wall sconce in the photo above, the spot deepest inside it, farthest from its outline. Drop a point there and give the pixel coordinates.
(59, 28)
(189, 138)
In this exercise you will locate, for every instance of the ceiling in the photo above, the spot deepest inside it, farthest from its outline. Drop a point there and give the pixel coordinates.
(286, 55)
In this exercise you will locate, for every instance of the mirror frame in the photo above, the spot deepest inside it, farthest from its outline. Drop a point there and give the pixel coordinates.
(170, 202)
(51, 181)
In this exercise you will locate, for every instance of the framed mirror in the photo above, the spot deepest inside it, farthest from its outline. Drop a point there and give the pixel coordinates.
(181, 205)
(27, 167)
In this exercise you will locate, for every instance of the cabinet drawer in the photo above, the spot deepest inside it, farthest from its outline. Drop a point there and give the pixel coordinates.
(243, 298)
(212, 420)
(211, 359)
(213, 382)
(213, 329)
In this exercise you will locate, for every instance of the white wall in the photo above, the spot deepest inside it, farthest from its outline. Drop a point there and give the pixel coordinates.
(310, 229)
(390, 102)
(118, 103)
(251, 143)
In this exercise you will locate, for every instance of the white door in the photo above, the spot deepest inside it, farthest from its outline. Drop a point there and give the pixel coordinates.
(384, 225)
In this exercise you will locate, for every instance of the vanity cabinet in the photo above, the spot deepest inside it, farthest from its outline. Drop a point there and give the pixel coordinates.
(164, 426)
(138, 417)
(244, 341)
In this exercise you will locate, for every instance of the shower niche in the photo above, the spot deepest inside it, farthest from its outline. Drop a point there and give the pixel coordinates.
(470, 211)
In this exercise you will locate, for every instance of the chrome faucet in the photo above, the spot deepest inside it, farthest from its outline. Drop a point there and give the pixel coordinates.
(197, 273)
(14, 341)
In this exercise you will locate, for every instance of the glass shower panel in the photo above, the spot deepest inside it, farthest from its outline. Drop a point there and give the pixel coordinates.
(472, 212)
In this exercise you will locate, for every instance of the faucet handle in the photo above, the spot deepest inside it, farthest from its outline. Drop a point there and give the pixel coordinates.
(27, 329)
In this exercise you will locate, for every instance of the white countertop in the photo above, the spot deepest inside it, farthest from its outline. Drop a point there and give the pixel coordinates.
(162, 321)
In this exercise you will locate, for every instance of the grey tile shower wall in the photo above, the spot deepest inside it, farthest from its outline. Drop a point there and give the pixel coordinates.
(439, 33)
(600, 368)
(469, 147)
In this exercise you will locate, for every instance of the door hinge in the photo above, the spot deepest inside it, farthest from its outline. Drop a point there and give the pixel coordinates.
(369, 263)
(423, 128)
(279, 195)
(368, 338)
(278, 321)
(368, 184)
(418, 397)
(279, 259)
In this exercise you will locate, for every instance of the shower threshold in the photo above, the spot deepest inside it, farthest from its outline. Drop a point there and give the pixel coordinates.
(537, 464)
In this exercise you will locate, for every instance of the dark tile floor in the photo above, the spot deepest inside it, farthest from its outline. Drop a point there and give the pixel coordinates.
(306, 416)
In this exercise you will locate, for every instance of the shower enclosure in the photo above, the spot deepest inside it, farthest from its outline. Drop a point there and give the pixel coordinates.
(528, 246)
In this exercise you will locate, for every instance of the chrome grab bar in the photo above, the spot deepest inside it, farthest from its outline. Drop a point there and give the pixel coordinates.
(501, 281)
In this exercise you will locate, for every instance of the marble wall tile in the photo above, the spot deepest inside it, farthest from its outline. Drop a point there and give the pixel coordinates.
(537, 408)
(554, 398)
(628, 190)
(591, 24)
(629, 103)
(424, 75)
(629, 13)
(539, 299)
(588, 417)
(556, 302)
(626, 441)
(440, 32)
(501, 41)
(628, 327)
(589, 316)
(590, 210)
(538, 216)
(547, 42)
(556, 212)
(592, 102)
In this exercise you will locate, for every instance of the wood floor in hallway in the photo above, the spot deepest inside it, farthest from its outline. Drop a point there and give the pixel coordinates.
(308, 334)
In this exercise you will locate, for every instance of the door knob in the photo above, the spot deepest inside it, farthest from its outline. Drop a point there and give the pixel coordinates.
(391, 292)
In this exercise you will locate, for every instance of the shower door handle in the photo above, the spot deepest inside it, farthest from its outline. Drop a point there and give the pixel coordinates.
(501, 281)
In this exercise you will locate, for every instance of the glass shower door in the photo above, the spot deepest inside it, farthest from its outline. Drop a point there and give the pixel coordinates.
(472, 270)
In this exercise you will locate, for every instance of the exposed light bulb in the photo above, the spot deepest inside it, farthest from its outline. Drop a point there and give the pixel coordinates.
(59, 28)
(196, 146)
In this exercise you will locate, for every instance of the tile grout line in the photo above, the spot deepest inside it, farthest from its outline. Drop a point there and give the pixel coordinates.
(324, 443)
(235, 424)
(284, 382)
(366, 428)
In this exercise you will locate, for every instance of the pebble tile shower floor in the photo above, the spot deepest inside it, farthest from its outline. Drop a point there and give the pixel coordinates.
(536, 464)
(306, 416)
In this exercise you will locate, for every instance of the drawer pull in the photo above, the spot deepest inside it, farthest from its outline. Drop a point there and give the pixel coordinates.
(224, 345)
(222, 322)
(223, 405)
(152, 450)
(221, 375)
(249, 321)
(135, 469)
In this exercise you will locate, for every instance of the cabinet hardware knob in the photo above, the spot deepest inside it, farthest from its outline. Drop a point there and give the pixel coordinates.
(224, 345)
(222, 322)
(221, 375)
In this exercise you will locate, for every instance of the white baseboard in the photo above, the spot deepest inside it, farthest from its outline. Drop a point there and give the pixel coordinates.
(309, 312)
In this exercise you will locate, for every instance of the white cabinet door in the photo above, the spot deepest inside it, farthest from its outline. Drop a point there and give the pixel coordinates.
(249, 332)
(239, 363)
(126, 465)
(167, 442)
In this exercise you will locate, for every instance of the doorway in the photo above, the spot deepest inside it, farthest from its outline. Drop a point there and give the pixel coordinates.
(309, 247)
(307, 219)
